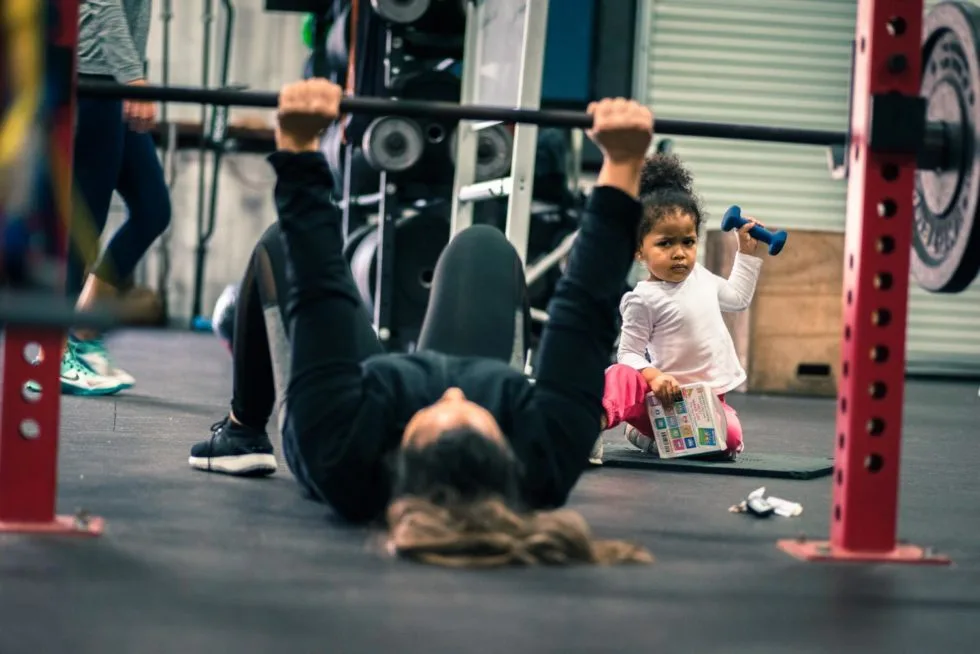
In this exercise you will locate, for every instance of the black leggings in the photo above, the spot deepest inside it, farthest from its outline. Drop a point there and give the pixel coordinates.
(261, 296)
(108, 157)
(478, 307)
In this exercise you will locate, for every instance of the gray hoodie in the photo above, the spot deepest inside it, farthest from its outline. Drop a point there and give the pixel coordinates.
(112, 36)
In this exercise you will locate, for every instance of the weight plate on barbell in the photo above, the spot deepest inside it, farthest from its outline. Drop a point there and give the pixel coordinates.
(946, 235)
(402, 12)
(393, 144)
(494, 150)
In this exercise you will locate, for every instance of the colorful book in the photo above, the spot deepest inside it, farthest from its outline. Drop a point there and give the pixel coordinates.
(691, 426)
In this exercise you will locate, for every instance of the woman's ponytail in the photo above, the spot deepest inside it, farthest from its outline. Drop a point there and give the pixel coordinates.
(488, 534)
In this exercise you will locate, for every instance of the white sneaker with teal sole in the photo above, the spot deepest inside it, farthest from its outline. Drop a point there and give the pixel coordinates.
(78, 379)
(93, 353)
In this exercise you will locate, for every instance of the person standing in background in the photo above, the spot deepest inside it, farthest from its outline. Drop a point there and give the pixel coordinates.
(113, 152)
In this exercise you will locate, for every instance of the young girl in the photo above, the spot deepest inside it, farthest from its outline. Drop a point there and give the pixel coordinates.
(672, 332)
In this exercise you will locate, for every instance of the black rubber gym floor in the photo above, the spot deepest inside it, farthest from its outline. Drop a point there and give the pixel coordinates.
(196, 563)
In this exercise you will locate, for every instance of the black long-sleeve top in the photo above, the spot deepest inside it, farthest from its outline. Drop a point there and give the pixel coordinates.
(346, 415)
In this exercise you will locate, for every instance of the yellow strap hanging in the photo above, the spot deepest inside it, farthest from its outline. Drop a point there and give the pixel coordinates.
(23, 28)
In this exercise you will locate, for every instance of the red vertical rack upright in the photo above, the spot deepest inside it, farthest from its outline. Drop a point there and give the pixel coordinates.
(864, 512)
(29, 421)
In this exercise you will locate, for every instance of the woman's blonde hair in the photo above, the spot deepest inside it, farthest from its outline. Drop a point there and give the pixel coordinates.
(486, 533)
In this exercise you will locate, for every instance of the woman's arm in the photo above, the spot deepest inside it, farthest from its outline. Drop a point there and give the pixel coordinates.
(325, 315)
(320, 305)
(104, 22)
(736, 292)
(580, 335)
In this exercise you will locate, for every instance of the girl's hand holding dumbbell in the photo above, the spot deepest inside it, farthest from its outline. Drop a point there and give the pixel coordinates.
(748, 244)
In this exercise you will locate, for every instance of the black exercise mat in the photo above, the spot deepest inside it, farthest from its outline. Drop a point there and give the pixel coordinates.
(749, 464)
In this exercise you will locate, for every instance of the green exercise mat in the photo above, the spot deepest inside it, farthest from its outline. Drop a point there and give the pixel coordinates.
(749, 464)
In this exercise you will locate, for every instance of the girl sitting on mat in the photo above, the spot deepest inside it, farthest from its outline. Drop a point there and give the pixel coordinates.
(452, 444)
(672, 331)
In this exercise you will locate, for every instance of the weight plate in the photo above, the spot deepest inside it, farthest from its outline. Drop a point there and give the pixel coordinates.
(393, 144)
(494, 151)
(355, 239)
(400, 11)
(946, 237)
(363, 269)
(419, 240)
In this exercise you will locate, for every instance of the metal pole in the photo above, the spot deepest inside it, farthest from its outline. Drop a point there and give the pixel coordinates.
(518, 225)
(215, 139)
(169, 165)
(550, 260)
(878, 242)
(467, 139)
(202, 159)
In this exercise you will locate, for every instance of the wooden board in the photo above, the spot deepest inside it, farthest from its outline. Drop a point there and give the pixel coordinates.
(789, 340)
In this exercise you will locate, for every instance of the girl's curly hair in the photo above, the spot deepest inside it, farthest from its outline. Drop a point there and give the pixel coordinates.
(666, 188)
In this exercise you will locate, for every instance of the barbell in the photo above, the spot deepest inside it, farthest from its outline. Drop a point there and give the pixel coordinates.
(453, 111)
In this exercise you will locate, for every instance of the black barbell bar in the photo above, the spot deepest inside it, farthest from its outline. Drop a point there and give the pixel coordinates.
(452, 111)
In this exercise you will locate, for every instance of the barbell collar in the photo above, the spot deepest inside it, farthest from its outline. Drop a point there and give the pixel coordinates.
(453, 111)
(942, 147)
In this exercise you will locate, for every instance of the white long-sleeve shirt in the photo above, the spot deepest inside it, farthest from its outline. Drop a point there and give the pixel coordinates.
(680, 328)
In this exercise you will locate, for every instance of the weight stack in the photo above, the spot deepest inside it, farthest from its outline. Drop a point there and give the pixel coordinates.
(405, 49)
(401, 50)
(405, 46)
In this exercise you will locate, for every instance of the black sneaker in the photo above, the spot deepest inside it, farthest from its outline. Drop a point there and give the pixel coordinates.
(234, 450)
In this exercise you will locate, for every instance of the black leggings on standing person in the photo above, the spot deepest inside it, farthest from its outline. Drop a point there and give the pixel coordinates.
(461, 320)
(111, 157)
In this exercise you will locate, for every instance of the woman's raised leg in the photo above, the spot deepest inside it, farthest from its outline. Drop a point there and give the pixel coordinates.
(479, 304)
(239, 443)
(272, 285)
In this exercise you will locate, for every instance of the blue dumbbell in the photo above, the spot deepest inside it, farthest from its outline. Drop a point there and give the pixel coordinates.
(733, 220)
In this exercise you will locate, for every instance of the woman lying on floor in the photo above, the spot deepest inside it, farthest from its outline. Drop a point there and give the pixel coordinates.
(452, 444)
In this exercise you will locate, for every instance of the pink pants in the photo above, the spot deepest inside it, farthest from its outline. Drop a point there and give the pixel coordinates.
(624, 400)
